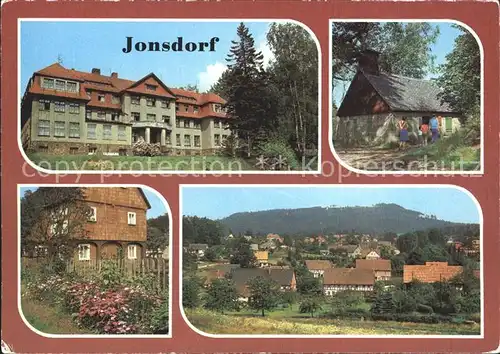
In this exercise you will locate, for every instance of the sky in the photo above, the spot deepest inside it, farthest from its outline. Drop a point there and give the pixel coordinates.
(87, 45)
(443, 46)
(157, 205)
(448, 204)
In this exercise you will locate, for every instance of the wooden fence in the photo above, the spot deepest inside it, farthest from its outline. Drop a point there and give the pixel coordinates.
(157, 267)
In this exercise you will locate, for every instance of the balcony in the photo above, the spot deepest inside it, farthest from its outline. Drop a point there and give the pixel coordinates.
(151, 124)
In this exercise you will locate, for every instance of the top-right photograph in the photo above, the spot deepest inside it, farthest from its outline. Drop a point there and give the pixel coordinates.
(406, 96)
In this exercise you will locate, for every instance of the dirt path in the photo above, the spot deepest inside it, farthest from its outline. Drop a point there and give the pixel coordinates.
(381, 159)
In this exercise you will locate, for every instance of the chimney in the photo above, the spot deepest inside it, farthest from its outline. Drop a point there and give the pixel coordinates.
(114, 75)
(368, 61)
(96, 71)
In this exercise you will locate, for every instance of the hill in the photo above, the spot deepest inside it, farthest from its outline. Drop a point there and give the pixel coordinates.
(376, 219)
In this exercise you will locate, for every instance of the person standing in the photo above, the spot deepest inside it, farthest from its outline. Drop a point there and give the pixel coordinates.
(434, 125)
(420, 136)
(424, 128)
(403, 132)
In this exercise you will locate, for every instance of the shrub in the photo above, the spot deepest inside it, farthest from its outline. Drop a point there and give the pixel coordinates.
(424, 309)
(277, 155)
(160, 318)
(409, 317)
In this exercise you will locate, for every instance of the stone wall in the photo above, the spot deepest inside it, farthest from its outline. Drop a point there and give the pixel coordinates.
(65, 148)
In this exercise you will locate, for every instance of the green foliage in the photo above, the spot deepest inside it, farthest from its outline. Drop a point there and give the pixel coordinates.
(277, 155)
(307, 284)
(191, 288)
(110, 275)
(158, 233)
(244, 256)
(160, 318)
(383, 304)
(264, 294)
(221, 296)
(345, 301)
(310, 304)
(403, 302)
(202, 230)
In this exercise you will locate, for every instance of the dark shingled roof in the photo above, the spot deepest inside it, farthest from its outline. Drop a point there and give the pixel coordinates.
(374, 264)
(407, 94)
(348, 276)
(318, 264)
(241, 276)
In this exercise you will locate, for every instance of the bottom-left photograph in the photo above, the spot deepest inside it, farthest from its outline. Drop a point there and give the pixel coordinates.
(94, 260)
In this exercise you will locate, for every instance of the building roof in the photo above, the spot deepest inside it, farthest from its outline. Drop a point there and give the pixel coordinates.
(348, 276)
(241, 276)
(407, 94)
(431, 272)
(318, 264)
(113, 84)
(374, 264)
(198, 246)
(261, 255)
(366, 251)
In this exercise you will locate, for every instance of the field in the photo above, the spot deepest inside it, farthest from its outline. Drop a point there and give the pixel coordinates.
(215, 323)
(139, 163)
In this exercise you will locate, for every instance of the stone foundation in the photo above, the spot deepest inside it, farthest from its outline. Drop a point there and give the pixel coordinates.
(69, 148)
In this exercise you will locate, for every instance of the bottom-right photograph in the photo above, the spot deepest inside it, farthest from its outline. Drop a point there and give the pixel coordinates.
(331, 260)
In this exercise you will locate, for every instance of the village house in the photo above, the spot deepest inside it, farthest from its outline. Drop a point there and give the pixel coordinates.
(318, 267)
(116, 228)
(352, 251)
(369, 254)
(376, 101)
(198, 249)
(275, 238)
(254, 247)
(285, 277)
(262, 258)
(268, 245)
(431, 272)
(65, 111)
(473, 249)
(380, 267)
(347, 279)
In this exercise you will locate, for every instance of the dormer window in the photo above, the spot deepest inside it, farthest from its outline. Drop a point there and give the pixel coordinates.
(93, 214)
(71, 86)
(48, 83)
(60, 85)
(101, 98)
(151, 87)
(195, 109)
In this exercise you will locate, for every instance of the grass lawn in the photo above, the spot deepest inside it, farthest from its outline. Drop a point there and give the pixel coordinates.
(139, 163)
(211, 322)
(448, 153)
(49, 319)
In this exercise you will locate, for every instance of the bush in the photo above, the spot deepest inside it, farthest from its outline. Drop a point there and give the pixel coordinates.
(410, 317)
(424, 309)
(277, 155)
(160, 318)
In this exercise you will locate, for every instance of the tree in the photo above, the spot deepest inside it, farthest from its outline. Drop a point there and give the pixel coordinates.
(244, 256)
(344, 301)
(383, 304)
(289, 297)
(264, 294)
(222, 296)
(210, 254)
(403, 301)
(190, 87)
(191, 292)
(309, 285)
(158, 234)
(310, 304)
(202, 230)
(54, 218)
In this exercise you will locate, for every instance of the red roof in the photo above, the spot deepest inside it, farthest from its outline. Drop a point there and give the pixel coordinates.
(113, 84)
(348, 276)
(374, 264)
(431, 272)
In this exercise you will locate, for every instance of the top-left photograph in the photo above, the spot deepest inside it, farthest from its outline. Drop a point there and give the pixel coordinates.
(177, 96)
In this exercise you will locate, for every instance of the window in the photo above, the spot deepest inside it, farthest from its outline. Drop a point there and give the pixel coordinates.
(132, 251)
(43, 148)
(187, 140)
(168, 139)
(187, 123)
(131, 218)
(101, 98)
(73, 150)
(151, 87)
(106, 132)
(178, 139)
(44, 105)
(165, 104)
(178, 123)
(177, 107)
(115, 99)
(136, 116)
(74, 130)
(60, 85)
(114, 117)
(60, 129)
(88, 114)
(92, 150)
(151, 117)
(224, 137)
(84, 252)
(197, 140)
(93, 214)
(74, 108)
(186, 108)
(71, 86)
(89, 93)
(217, 123)
(101, 115)
(48, 83)
(59, 106)
(151, 102)
(195, 109)
(166, 119)
(217, 139)
(197, 125)
(135, 100)
(122, 133)
(43, 128)
(217, 108)
(91, 131)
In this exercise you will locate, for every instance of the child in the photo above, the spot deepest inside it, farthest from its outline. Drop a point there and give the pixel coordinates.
(424, 128)
(403, 133)
(420, 136)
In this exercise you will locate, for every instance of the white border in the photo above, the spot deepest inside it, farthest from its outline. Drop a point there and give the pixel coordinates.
(330, 100)
(170, 261)
(176, 172)
(480, 213)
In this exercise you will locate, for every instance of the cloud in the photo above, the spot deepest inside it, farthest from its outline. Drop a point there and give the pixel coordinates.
(210, 76)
